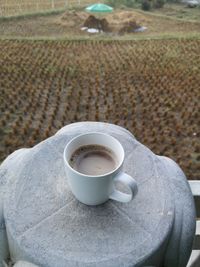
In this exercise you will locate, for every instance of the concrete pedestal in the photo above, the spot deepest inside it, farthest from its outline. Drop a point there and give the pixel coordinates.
(47, 226)
(24, 264)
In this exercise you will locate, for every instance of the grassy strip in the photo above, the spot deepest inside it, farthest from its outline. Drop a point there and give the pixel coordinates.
(151, 13)
(33, 14)
(43, 12)
(108, 38)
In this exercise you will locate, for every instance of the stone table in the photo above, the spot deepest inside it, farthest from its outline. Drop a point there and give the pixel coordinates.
(47, 226)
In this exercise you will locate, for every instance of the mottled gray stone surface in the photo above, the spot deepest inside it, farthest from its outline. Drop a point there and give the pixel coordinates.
(3, 238)
(7, 178)
(24, 264)
(47, 226)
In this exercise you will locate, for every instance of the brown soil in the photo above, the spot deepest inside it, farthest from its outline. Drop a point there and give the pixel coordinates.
(129, 27)
(127, 21)
(118, 21)
(100, 24)
(72, 18)
(121, 17)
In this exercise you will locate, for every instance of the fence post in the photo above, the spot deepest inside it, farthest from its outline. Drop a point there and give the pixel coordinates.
(37, 6)
(20, 8)
(52, 4)
(66, 3)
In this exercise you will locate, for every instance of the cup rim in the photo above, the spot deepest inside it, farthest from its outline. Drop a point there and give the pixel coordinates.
(92, 176)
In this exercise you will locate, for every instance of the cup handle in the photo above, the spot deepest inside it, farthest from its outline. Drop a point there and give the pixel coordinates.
(129, 182)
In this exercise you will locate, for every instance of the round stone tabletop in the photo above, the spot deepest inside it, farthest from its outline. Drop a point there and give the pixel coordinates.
(47, 226)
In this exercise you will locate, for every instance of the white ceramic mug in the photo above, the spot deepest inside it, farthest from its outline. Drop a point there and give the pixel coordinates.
(96, 189)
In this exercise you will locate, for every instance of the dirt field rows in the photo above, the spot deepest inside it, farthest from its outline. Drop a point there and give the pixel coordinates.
(149, 87)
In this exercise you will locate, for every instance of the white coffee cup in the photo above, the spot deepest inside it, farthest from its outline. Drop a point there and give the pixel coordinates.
(97, 189)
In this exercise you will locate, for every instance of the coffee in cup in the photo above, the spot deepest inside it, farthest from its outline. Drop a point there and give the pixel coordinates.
(93, 160)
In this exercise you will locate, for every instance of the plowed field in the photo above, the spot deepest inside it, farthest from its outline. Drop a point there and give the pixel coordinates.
(152, 88)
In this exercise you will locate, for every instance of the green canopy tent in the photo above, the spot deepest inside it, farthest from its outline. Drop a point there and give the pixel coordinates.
(99, 8)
